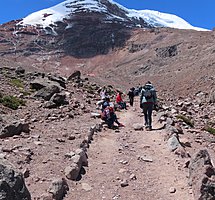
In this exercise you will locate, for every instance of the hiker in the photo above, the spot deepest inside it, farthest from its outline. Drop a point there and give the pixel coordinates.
(104, 96)
(148, 100)
(109, 116)
(103, 93)
(131, 96)
(119, 101)
(105, 103)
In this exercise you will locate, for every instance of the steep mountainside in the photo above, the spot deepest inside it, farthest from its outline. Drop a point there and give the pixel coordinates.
(104, 40)
(178, 61)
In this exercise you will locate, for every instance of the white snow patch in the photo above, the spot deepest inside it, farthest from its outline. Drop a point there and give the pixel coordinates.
(49, 16)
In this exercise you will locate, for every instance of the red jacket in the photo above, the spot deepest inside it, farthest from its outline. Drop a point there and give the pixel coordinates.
(118, 98)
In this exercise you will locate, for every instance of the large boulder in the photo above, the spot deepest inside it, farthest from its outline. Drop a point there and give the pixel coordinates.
(58, 79)
(12, 184)
(58, 188)
(74, 75)
(15, 128)
(202, 176)
(40, 83)
(212, 96)
(47, 92)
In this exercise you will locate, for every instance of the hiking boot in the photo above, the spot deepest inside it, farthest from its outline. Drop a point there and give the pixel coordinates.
(121, 125)
(148, 128)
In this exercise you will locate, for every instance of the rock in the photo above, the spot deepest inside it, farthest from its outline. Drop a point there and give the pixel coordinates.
(71, 137)
(76, 159)
(95, 115)
(86, 187)
(212, 96)
(124, 183)
(58, 79)
(138, 127)
(70, 154)
(58, 188)
(173, 143)
(47, 92)
(83, 156)
(145, 158)
(19, 70)
(12, 184)
(202, 176)
(122, 171)
(171, 129)
(26, 173)
(72, 172)
(59, 99)
(172, 190)
(16, 128)
(132, 177)
(40, 83)
(181, 152)
(185, 142)
(169, 121)
(167, 52)
(76, 75)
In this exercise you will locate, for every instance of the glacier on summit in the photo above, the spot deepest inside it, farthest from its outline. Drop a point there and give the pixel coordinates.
(66, 9)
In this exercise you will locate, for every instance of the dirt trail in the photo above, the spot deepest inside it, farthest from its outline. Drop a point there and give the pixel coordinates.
(115, 156)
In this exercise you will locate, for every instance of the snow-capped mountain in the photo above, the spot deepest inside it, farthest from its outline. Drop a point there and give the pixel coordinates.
(110, 12)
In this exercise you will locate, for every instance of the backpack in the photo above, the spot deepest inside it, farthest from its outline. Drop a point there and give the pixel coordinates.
(103, 115)
(148, 94)
(106, 114)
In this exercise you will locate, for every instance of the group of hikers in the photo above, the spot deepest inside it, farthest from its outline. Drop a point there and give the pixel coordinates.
(148, 101)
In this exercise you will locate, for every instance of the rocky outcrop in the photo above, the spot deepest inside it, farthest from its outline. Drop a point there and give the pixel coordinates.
(14, 128)
(47, 92)
(202, 176)
(12, 184)
(212, 96)
(166, 52)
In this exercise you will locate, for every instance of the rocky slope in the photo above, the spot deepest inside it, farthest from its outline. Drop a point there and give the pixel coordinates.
(179, 62)
(47, 136)
(52, 138)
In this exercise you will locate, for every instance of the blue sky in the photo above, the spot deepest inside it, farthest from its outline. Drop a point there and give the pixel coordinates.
(199, 13)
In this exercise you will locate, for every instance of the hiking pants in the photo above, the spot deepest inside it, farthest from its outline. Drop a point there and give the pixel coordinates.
(111, 120)
(131, 101)
(147, 110)
(122, 105)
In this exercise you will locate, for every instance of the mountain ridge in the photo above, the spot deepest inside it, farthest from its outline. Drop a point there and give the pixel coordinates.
(112, 11)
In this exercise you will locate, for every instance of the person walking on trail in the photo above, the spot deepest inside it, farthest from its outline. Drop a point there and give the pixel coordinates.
(131, 96)
(148, 100)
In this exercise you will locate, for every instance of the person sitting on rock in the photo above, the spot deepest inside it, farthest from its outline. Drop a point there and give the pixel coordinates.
(119, 101)
(109, 116)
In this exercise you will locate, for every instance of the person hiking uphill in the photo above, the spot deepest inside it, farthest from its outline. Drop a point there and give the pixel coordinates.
(131, 96)
(148, 100)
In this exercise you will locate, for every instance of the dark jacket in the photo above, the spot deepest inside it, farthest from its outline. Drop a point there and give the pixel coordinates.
(152, 99)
